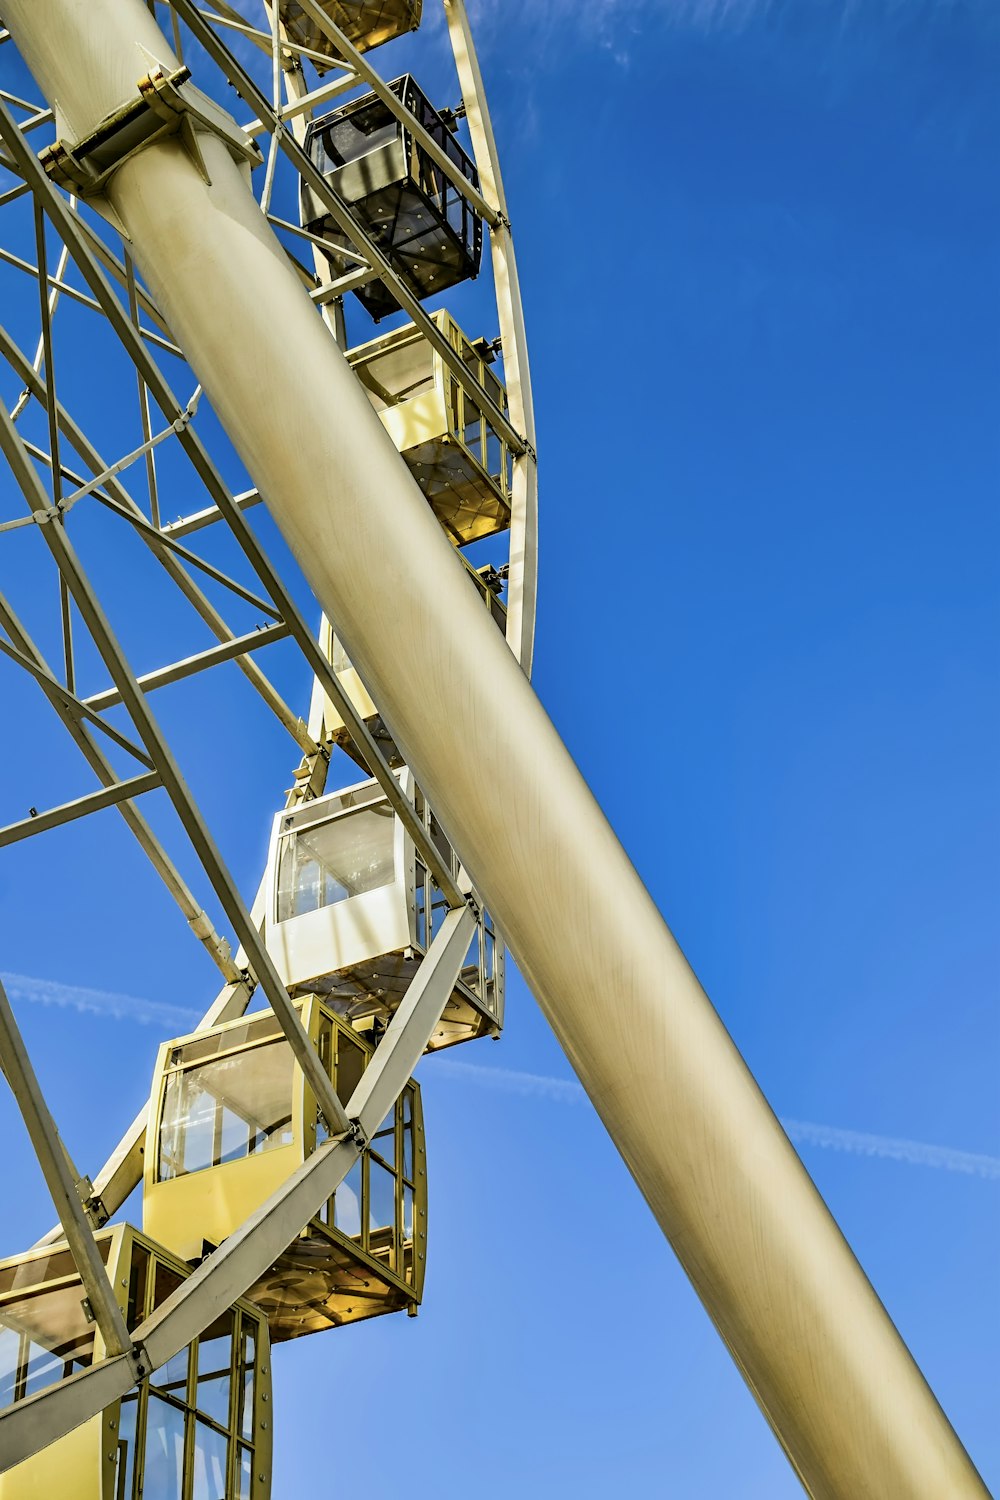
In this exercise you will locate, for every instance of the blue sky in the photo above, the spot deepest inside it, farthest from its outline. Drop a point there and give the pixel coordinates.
(759, 248)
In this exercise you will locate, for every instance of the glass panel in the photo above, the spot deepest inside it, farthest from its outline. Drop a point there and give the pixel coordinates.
(339, 659)
(439, 910)
(469, 972)
(234, 1135)
(398, 375)
(259, 1028)
(172, 1377)
(366, 129)
(125, 1457)
(408, 1150)
(163, 1464)
(407, 1247)
(385, 1143)
(215, 1355)
(166, 1282)
(211, 1456)
(381, 1209)
(472, 436)
(494, 389)
(10, 1345)
(324, 1043)
(245, 1476)
(221, 1111)
(247, 1367)
(420, 897)
(43, 1367)
(494, 456)
(138, 1278)
(20, 1275)
(351, 1060)
(44, 1336)
(347, 1203)
(333, 861)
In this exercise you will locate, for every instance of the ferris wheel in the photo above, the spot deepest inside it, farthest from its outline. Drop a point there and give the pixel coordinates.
(270, 340)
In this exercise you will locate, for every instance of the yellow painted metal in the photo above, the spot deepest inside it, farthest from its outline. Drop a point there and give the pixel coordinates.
(231, 1118)
(461, 464)
(180, 1427)
(485, 580)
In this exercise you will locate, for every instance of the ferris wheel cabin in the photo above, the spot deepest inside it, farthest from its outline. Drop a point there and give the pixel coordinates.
(199, 1426)
(365, 23)
(352, 908)
(462, 464)
(231, 1118)
(424, 226)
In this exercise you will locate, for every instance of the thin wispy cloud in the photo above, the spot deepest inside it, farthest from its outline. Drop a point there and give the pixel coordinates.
(24, 989)
(802, 1132)
(21, 988)
(916, 1153)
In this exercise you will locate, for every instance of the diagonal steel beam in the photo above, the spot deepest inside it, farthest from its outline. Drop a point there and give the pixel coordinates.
(80, 807)
(74, 715)
(60, 1181)
(56, 208)
(346, 219)
(52, 686)
(187, 810)
(162, 547)
(248, 1253)
(177, 671)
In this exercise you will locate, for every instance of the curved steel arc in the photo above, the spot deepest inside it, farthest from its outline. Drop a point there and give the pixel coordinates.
(522, 582)
(343, 216)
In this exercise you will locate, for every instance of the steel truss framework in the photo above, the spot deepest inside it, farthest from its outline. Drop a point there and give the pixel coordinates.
(66, 469)
(778, 1279)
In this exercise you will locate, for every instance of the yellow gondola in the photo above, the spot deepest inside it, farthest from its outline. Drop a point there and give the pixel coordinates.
(198, 1427)
(231, 1118)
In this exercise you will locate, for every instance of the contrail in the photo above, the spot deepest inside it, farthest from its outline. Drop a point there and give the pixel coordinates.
(803, 1132)
(917, 1153)
(20, 987)
(176, 1018)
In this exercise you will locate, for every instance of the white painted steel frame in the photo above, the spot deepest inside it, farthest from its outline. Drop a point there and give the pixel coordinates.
(34, 1423)
(67, 226)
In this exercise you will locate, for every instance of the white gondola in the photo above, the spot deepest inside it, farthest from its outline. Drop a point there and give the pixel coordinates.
(351, 908)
